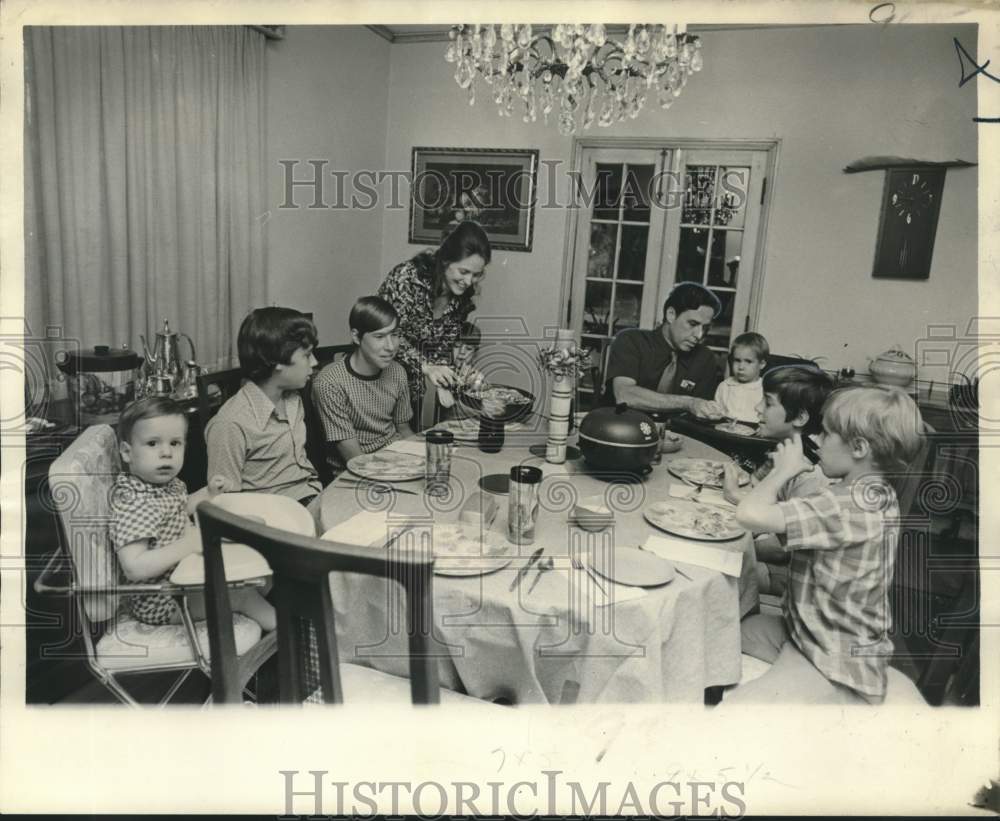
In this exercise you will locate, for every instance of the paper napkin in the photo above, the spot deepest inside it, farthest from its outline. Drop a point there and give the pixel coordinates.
(584, 593)
(701, 555)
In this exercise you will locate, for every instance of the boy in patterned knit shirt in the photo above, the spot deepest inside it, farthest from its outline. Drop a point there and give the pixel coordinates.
(831, 644)
(363, 399)
(150, 529)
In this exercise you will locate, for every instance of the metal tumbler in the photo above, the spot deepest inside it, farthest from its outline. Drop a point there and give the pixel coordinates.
(438, 464)
(522, 501)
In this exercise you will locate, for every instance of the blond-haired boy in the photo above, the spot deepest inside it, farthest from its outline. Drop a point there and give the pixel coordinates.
(831, 643)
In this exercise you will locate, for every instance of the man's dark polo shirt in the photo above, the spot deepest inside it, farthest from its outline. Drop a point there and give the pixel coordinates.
(642, 355)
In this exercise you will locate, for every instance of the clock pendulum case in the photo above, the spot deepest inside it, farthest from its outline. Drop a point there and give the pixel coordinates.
(911, 202)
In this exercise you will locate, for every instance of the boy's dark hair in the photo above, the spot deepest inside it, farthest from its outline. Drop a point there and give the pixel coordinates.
(755, 342)
(690, 296)
(371, 313)
(800, 388)
(269, 337)
(470, 334)
(149, 408)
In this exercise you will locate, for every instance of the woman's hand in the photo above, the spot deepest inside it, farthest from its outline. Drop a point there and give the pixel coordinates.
(441, 375)
(789, 460)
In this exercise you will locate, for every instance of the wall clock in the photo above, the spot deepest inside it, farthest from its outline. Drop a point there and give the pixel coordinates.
(911, 202)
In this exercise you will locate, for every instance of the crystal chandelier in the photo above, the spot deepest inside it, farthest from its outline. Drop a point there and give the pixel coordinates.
(575, 70)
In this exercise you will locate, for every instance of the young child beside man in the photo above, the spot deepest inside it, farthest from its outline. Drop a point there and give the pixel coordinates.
(150, 529)
(831, 644)
(364, 399)
(740, 393)
(257, 440)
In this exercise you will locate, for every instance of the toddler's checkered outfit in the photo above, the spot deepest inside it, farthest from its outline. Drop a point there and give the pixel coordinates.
(141, 510)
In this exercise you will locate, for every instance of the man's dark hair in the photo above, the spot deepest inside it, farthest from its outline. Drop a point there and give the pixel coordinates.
(690, 296)
(269, 337)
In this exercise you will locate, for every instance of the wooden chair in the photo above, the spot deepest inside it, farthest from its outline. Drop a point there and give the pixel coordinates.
(227, 382)
(325, 354)
(315, 435)
(308, 662)
(80, 490)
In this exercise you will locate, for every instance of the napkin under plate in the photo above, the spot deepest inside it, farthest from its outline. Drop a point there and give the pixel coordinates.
(701, 555)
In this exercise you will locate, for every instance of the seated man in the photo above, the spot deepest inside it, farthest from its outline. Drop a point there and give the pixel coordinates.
(363, 399)
(668, 368)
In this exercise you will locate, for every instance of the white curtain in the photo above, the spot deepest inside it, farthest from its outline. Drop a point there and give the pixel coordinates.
(144, 178)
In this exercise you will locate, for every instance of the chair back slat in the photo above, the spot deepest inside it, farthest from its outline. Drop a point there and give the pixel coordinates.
(226, 686)
(308, 656)
(227, 381)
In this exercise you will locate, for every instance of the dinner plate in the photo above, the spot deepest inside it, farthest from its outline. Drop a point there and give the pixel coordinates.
(632, 567)
(387, 466)
(468, 550)
(707, 472)
(694, 520)
(736, 428)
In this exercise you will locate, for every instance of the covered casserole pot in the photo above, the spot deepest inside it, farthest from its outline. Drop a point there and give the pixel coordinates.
(618, 439)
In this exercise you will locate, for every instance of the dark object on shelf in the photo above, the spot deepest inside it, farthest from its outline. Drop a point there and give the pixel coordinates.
(879, 163)
(619, 440)
(101, 380)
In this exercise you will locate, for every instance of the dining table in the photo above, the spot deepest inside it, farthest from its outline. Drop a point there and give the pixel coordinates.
(558, 633)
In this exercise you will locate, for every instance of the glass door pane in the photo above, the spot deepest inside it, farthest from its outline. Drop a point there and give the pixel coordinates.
(619, 239)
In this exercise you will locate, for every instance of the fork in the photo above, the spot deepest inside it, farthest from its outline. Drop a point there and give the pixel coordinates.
(579, 565)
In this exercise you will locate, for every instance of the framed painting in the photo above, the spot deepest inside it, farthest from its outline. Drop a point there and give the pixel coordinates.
(493, 186)
(911, 201)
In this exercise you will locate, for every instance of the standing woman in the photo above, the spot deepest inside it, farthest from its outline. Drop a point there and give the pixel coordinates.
(432, 293)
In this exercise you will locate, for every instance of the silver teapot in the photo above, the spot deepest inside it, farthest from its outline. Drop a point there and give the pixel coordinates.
(164, 367)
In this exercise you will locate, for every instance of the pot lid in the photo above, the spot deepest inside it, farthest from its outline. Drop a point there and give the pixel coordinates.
(895, 355)
(99, 359)
(619, 425)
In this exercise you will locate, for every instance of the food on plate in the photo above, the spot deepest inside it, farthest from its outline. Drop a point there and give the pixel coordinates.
(499, 395)
(702, 471)
(732, 426)
(467, 548)
(688, 518)
(387, 465)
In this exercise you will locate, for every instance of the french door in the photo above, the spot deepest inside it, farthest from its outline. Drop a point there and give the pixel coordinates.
(652, 217)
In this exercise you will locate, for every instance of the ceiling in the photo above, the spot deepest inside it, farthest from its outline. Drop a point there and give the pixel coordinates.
(438, 32)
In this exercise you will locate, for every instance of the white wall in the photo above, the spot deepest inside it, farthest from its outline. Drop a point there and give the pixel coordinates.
(327, 99)
(831, 96)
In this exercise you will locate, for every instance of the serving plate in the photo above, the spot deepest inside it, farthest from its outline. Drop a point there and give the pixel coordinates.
(507, 402)
(707, 472)
(694, 520)
(388, 466)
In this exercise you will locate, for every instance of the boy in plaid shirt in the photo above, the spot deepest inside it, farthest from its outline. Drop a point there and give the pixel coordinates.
(831, 644)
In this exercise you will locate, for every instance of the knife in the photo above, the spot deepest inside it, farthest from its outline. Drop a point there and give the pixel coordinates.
(527, 566)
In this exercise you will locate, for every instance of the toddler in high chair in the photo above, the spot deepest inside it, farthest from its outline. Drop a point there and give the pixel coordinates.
(150, 529)
(739, 394)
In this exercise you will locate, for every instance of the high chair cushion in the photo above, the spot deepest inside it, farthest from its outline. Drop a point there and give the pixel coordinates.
(129, 644)
(80, 486)
(363, 685)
